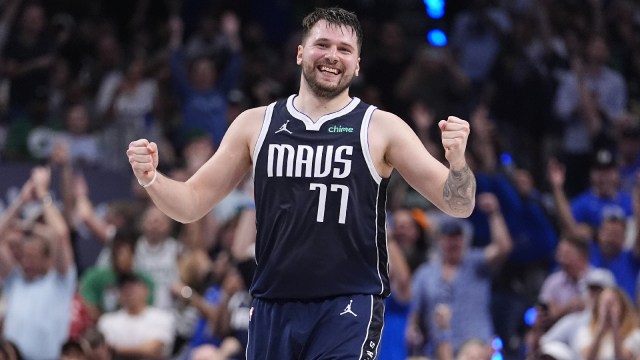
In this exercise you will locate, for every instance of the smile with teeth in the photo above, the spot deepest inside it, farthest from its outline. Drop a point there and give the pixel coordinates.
(328, 69)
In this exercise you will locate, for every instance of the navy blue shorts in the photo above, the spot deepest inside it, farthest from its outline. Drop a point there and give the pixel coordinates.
(340, 328)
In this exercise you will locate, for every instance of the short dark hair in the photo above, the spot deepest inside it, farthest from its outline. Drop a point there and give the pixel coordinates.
(578, 243)
(334, 16)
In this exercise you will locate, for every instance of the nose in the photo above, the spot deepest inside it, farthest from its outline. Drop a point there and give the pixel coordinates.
(332, 54)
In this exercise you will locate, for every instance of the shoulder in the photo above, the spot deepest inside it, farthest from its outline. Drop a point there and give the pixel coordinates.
(250, 118)
(96, 274)
(554, 279)
(426, 269)
(158, 315)
(145, 277)
(246, 126)
(381, 118)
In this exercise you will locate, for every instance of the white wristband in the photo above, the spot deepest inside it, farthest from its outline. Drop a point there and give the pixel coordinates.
(155, 176)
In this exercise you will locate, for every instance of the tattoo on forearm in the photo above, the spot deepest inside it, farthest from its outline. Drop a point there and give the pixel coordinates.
(460, 190)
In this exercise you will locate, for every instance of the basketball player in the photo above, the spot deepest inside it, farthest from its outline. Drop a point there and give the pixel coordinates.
(321, 162)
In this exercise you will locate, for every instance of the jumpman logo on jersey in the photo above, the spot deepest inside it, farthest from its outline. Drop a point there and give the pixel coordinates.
(348, 310)
(284, 128)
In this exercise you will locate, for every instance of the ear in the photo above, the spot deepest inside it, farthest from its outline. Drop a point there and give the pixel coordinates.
(358, 67)
(299, 55)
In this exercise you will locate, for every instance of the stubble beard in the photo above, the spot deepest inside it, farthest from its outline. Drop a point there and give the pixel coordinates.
(321, 90)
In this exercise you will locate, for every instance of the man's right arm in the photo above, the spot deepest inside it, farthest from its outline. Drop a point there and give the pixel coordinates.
(191, 200)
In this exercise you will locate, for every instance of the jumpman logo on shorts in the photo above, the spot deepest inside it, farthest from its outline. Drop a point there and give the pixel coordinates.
(348, 310)
(284, 128)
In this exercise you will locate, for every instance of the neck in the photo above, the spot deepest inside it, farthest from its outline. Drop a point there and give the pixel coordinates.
(450, 261)
(136, 310)
(314, 106)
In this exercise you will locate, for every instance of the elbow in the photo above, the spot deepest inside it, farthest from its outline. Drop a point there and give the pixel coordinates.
(462, 209)
(508, 248)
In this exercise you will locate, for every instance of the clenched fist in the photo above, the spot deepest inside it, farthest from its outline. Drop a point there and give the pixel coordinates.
(143, 157)
(455, 133)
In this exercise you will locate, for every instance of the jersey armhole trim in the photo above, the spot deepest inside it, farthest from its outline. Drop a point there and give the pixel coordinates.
(266, 121)
(364, 142)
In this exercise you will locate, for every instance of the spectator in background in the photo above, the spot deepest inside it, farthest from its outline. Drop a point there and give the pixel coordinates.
(515, 288)
(476, 38)
(203, 90)
(590, 98)
(397, 305)
(613, 332)
(392, 58)
(410, 228)
(127, 101)
(99, 286)
(97, 346)
(561, 291)
(564, 330)
(83, 147)
(607, 237)
(207, 41)
(608, 251)
(157, 254)
(223, 305)
(628, 155)
(39, 285)
(28, 55)
(604, 194)
(436, 66)
(461, 279)
(137, 330)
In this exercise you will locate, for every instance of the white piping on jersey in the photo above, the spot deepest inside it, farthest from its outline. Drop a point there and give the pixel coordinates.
(364, 142)
(386, 245)
(375, 221)
(315, 126)
(263, 133)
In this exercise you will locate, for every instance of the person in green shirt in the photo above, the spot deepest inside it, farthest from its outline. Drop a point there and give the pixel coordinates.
(99, 285)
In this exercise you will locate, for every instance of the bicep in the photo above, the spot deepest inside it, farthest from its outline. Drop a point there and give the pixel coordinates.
(406, 153)
(230, 163)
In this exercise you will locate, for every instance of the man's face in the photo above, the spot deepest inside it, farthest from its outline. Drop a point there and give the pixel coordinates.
(452, 246)
(330, 59)
(611, 236)
(34, 260)
(605, 181)
(569, 258)
(155, 223)
(133, 295)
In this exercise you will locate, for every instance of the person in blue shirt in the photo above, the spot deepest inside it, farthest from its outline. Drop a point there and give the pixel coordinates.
(604, 194)
(202, 91)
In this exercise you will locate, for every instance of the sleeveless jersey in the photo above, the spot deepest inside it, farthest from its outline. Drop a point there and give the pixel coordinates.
(320, 206)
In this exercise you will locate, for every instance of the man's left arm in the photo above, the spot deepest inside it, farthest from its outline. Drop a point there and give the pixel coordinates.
(55, 228)
(501, 244)
(451, 190)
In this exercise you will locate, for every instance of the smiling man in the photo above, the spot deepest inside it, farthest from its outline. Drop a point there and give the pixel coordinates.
(321, 161)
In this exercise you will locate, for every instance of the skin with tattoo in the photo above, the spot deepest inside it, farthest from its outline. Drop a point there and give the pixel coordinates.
(459, 190)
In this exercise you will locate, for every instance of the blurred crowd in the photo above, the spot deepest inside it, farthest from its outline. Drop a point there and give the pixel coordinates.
(546, 267)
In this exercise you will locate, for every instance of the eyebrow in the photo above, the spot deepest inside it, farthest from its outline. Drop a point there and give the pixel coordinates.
(341, 43)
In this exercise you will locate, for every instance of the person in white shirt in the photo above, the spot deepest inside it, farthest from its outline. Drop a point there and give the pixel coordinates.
(137, 330)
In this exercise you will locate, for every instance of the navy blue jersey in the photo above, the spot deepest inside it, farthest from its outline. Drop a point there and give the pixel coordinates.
(320, 206)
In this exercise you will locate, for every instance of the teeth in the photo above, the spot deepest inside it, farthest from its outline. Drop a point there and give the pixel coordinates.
(328, 69)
